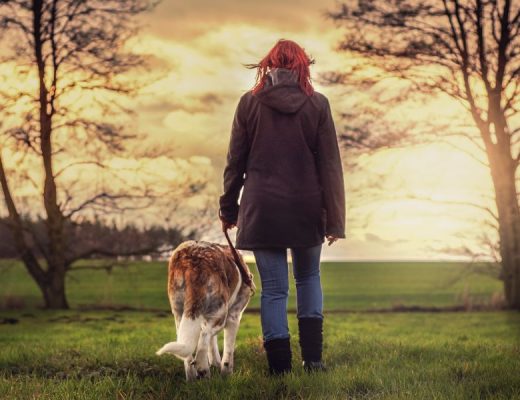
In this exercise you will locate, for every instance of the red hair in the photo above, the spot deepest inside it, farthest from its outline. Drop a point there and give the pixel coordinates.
(285, 54)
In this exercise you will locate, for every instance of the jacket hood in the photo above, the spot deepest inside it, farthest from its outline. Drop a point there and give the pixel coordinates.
(282, 91)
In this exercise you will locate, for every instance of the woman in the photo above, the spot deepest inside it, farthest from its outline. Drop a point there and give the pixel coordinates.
(284, 152)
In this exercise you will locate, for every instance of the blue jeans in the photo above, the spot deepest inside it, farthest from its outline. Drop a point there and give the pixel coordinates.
(273, 269)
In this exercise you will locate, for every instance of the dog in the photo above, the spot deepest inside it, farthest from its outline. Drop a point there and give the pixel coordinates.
(207, 294)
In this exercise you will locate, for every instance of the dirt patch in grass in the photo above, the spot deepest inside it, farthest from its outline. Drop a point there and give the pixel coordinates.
(82, 319)
(8, 321)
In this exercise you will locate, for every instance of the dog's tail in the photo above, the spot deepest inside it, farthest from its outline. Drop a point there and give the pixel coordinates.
(187, 339)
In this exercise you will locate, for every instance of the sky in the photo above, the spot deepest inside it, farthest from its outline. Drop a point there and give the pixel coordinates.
(201, 45)
(196, 51)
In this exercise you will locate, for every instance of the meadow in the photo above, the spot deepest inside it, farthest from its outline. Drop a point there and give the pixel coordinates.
(346, 285)
(95, 351)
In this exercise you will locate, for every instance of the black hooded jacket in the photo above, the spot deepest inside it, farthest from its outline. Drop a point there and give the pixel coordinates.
(284, 151)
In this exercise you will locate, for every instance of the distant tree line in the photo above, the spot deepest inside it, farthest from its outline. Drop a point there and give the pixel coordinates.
(108, 240)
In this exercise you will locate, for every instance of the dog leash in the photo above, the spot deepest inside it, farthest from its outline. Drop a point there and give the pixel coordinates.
(245, 276)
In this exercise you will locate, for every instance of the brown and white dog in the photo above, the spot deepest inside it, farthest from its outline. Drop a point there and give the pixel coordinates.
(207, 294)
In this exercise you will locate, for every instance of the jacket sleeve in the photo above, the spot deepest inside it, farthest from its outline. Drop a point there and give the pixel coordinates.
(331, 174)
(236, 162)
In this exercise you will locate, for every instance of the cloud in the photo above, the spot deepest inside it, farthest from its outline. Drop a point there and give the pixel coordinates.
(191, 107)
(182, 20)
(210, 99)
(198, 103)
(371, 237)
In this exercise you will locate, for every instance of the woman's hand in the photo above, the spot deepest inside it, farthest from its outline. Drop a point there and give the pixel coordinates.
(227, 225)
(331, 239)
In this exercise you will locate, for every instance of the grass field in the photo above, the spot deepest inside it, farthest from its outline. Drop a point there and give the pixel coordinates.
(346, 285)
(110, 355)
(106, 355)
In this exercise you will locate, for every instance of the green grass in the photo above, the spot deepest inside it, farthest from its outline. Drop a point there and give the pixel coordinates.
(111, 355)
(107, 355)
(346, 285)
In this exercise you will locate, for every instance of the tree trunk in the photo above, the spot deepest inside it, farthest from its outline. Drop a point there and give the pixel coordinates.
(54, 292)
(54, 289)
(503, 176)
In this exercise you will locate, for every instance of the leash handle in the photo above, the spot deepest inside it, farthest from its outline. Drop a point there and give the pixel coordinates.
(245, 276)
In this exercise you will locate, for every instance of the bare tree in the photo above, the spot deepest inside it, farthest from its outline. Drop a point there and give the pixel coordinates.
(467, 49)
(76, 51)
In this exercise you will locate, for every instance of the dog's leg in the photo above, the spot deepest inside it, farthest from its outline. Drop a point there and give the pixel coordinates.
(231, 330)
(230, 335)
(210, 328)
(200, 362)
(189, 369)
(178, 318)
(187, 334)
(214, 354)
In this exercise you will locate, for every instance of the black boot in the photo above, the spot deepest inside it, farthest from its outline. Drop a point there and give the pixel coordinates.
(311, 343)
(278, 355)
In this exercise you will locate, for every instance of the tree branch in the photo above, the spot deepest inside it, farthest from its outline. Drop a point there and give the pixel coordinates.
(16, 226)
